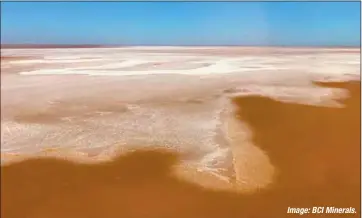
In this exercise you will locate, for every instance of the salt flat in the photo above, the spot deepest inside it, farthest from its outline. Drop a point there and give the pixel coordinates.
(92, 103)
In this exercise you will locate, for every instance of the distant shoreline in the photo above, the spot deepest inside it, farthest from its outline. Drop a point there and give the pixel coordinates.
(22, 46)
(50, 46)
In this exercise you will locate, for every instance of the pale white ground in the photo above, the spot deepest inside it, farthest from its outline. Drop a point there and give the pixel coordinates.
(97, 102)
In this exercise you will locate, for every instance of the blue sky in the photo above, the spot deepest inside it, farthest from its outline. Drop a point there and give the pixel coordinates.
(182, 23)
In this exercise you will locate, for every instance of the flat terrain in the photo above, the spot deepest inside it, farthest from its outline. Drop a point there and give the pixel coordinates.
(216, 132)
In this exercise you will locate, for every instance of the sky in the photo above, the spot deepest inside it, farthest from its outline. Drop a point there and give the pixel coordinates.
(182, 23)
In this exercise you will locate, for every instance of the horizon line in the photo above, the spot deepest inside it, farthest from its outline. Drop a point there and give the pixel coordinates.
(71, 45)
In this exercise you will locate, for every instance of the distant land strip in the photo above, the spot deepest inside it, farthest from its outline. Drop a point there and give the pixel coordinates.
(42, 46)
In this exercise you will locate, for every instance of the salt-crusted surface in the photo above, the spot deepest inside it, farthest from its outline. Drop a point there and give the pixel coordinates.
(96, 102)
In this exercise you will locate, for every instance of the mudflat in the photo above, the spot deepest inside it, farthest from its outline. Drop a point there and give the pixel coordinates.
(316, 151)
(179, 132)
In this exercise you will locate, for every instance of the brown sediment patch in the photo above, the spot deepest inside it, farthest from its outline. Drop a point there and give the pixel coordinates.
(7, 64)
(15, 58)
(12, 66)
(316, 151)
(129, 190)
(61, 111)
(8, 59)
